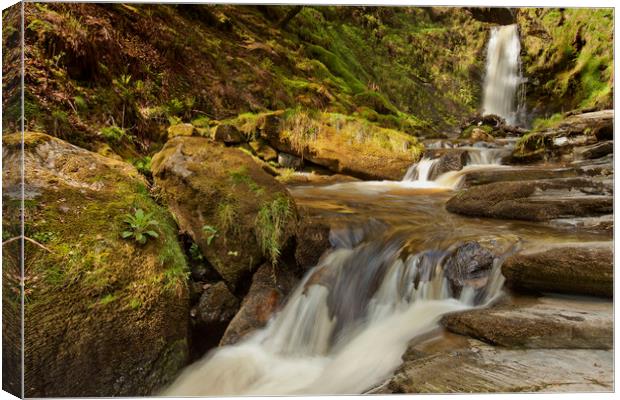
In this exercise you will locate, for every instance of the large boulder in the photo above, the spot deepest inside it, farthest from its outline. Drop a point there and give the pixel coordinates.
(548, 322)
(536, 200)
(574, 268)
(345, 147)
(104, 316)
(236, 213)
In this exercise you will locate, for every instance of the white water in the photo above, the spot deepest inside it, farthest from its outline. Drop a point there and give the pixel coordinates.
(503, 73)
(338, 333)
(421, 174)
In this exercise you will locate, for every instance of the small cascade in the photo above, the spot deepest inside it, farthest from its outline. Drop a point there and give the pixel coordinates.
(421, 171)
(424, 174)
(503, 80)
(348, 322)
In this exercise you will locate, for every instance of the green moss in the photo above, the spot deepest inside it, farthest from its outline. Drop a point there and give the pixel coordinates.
(544, 123)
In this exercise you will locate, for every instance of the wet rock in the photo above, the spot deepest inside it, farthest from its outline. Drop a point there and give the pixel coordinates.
(312, 242)
(536, 200)
(180, 130)
(447, 160)
(574, 268)
(454, 364)
(227, 134)
(263, 150)
(602, 224)
(597, 150)
(105, 316)
(270, 285)
(478, 135)
(217, 305)
(289, 161)
(543, 323)
(469, 264)
(516, 173)
(216, 193)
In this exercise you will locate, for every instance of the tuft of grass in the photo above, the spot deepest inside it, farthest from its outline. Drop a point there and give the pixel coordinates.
(271, 221)
(227, 213)
(545, 123)
(300, 129)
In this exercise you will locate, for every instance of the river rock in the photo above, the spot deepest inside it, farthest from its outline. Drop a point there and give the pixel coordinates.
(478, 135)
(536, 200)
(469, 264)
(263, 150)
(312, 242)
(455, 364)
(217, 305)
(574, 268)
(596, 150)
(104, 316)
(227, 134)
(544, 323)
(517, 173)
(270, 285)
(180, 130)
(342, 154)
(289, 161)
(216, 194)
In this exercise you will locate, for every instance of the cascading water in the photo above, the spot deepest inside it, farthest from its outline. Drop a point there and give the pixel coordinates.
(503, 74)
(424, 173)
(348, 322)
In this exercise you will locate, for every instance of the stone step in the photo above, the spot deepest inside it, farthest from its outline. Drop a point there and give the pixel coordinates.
(546, 322)
(573, 268)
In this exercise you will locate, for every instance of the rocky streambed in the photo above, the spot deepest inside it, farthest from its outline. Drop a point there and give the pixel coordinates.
(232, 243)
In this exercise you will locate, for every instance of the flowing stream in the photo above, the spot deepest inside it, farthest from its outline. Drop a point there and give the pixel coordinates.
(384, 283)
(503, 74)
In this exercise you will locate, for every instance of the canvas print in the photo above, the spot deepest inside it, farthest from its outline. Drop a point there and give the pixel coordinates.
(232, 200)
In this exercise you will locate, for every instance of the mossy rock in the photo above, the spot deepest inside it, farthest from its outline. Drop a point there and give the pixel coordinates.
(237, 214)
(104, 316)
(180, 130)
(262, 149)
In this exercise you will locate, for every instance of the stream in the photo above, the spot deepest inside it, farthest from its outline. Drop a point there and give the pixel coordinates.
(384, 283)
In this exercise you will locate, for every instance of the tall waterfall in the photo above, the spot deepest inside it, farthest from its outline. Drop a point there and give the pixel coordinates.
(503, 73)
(348, 322)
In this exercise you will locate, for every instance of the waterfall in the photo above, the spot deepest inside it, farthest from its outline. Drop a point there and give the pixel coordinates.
(503, 74)
(347, 324)
(421, 171)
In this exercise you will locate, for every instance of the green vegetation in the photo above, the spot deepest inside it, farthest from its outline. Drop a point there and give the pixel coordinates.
(140, 226)
(271, 220)
(544, 123)
(227, 213)
(211, 233)
(113, 133)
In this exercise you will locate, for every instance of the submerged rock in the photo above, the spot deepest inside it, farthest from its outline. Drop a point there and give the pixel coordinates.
(105, 316)
(574, 268)
(544, 323)
(237, 214)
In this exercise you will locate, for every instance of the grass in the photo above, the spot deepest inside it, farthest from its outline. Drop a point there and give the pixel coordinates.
(227, 214)
(271, 220)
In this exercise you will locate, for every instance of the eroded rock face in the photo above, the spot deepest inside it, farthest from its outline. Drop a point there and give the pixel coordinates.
(312, 242)
(469, 264)
(231, 208)
(547, 322)
(574, 268)
(105, 316)
(536, 200)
